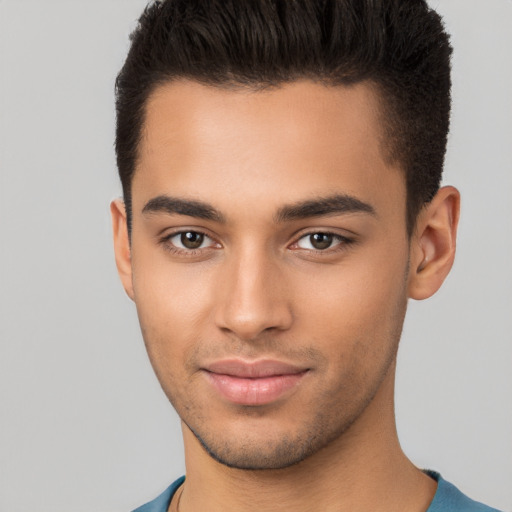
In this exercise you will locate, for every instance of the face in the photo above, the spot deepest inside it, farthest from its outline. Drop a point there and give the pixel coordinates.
(269, 263)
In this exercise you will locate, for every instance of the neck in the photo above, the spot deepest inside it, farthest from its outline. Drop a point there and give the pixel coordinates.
(363, 470)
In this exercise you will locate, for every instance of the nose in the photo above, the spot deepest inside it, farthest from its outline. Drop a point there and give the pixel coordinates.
(252, 296)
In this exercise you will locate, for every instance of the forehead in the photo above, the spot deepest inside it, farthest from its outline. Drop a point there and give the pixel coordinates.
(299, 138)
(302, 109)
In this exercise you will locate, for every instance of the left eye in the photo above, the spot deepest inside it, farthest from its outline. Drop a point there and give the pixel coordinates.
(319, 241)
(190, 240)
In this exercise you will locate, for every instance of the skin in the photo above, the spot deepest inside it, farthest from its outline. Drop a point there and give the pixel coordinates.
(257, 288)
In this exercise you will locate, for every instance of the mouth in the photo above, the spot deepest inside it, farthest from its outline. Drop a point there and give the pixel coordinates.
(253, 383)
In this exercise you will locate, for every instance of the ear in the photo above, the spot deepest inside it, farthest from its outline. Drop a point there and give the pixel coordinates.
(433, 244)
(122, 245)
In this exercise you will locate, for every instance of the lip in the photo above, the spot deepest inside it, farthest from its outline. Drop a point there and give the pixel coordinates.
(253, 383)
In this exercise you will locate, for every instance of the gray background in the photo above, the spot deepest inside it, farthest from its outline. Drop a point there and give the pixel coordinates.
(84, 425)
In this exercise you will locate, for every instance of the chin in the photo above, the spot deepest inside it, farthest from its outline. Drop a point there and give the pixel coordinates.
(252, 456)
(264, 452)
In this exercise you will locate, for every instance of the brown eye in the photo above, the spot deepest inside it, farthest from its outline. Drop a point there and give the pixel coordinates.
(189, 243)
(320, 241)
(191, 239)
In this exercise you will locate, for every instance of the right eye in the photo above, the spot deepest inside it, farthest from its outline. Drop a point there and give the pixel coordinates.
(190, 240)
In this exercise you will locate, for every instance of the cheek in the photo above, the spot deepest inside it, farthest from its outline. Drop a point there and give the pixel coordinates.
(355, 312)
(173, 306)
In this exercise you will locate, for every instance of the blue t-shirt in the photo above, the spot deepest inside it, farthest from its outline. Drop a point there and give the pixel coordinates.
(446, 499)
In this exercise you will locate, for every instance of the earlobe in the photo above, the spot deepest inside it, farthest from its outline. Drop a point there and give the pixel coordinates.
(433, 244)
(122, 245)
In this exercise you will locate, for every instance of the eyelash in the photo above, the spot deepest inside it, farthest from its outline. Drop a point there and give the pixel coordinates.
(343, 243)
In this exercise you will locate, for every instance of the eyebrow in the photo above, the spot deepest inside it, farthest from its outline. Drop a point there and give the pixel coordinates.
(177, 206)
(331, 205)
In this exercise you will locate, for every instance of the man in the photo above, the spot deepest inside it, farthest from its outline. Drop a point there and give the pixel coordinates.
(281, 164)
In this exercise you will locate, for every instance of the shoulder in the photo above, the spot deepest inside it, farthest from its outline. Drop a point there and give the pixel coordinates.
(449, 499)
(162, 502)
